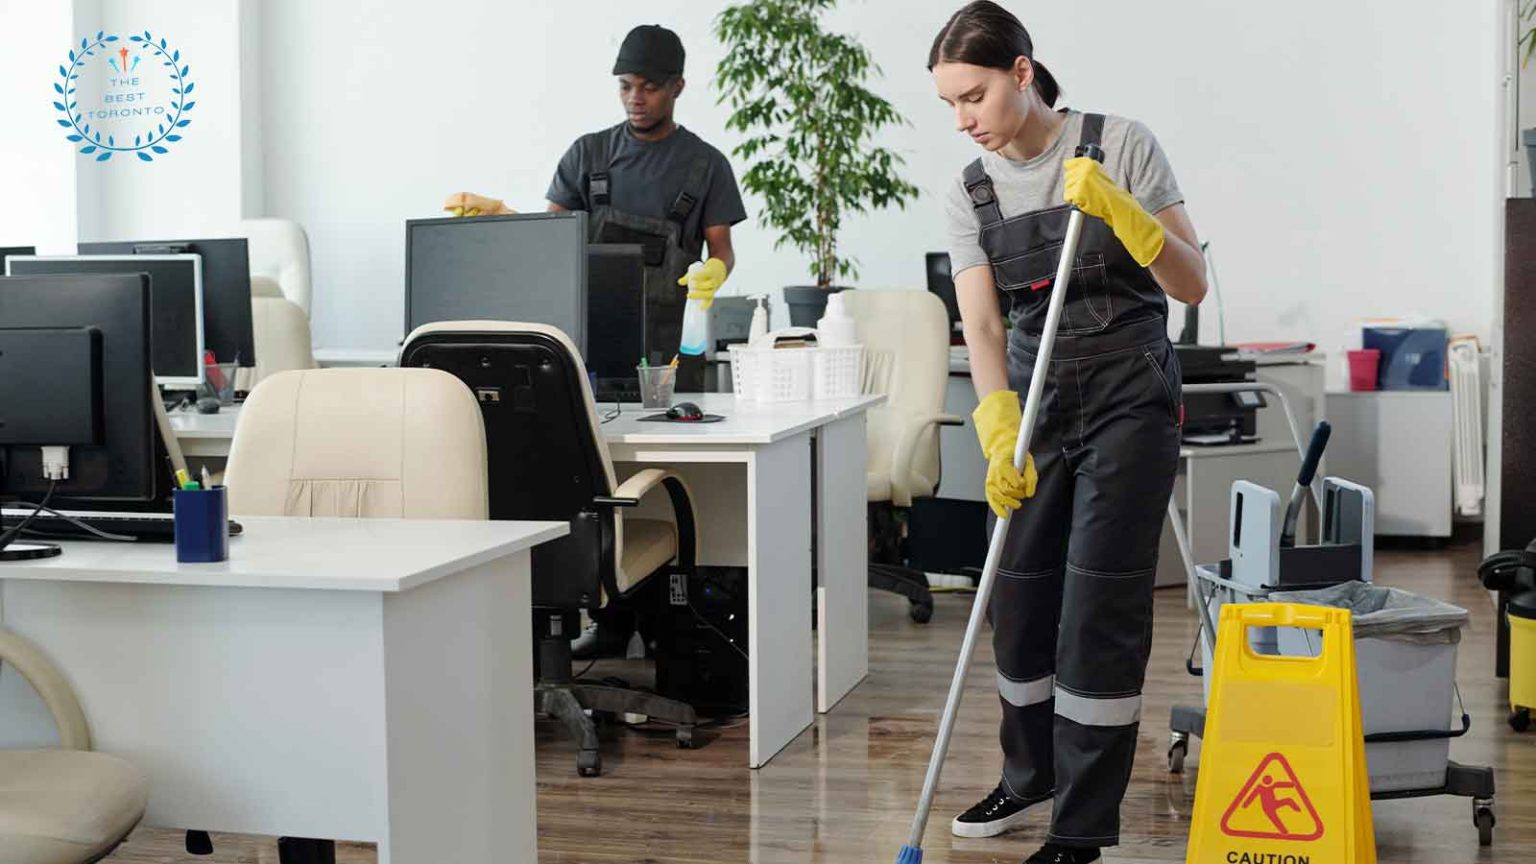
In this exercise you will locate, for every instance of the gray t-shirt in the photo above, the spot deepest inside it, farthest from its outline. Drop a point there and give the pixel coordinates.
(1132, 158)
(645, 178)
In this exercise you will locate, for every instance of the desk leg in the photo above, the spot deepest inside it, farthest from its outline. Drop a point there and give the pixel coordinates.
(458, 684)
(779, 616)
(842, 565)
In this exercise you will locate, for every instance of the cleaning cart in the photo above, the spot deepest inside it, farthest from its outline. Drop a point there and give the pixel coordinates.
(1400, 637)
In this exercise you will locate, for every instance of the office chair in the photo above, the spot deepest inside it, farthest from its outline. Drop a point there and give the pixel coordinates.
(361, 443)
(906, 357)
(279, 330)
(279, 250)
(549, 461)
(64, 806)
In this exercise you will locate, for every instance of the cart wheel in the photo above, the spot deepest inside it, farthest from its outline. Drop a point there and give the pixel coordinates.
(922, 613)
(1178, 748)
(685, 737)
(589, 763)
(1520, 719)
(1482, 817)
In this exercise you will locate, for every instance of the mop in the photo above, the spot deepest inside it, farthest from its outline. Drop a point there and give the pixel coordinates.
(912, 853)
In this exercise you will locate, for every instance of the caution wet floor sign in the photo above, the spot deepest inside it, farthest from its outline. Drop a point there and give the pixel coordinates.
(1282, 772)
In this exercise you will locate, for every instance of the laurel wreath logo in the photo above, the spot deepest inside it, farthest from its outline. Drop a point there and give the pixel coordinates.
(143, 145)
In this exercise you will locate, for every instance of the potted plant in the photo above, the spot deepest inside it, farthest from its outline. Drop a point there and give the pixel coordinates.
(797, 93)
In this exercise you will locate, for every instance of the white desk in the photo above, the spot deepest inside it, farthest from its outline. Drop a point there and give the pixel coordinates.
(365, 680)
(760, 506)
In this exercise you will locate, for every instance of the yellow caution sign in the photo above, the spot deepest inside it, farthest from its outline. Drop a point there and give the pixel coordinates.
(1282, 769)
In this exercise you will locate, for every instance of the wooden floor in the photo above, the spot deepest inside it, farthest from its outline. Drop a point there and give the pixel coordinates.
(843, 792)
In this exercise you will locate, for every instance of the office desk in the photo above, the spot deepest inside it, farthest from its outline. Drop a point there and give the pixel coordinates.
(770, 483)
(348, 679)
(760, 506)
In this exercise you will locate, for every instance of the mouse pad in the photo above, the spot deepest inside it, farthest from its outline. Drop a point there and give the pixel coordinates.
(663, 418)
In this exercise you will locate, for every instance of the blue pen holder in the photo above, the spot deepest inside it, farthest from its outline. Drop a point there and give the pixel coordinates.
(202, 524)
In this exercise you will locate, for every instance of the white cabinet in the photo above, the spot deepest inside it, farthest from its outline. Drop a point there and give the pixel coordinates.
(1397, 442)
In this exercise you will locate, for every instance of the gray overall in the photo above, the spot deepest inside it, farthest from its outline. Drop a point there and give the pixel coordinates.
(666, 256)
(1072, 607)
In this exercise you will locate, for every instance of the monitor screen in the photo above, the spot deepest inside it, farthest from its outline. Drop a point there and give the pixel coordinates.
(176, 305)
(524, 267)
(226, 288)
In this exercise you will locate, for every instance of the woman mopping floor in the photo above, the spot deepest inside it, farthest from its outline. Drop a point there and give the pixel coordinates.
(1072, 606)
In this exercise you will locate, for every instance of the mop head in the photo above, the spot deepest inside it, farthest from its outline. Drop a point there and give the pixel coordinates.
(908, 855)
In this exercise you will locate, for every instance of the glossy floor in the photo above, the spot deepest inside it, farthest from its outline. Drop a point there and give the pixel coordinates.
(843, 792)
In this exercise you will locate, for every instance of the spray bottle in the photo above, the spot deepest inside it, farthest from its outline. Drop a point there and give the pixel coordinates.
(759, 328)
(695, 322)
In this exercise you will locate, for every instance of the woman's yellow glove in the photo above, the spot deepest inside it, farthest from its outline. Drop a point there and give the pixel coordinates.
(997, 426)
(1091, 191)
(705, 281)
(470, 204)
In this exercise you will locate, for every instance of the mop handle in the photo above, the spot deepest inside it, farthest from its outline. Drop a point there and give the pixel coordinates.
(1000, 530)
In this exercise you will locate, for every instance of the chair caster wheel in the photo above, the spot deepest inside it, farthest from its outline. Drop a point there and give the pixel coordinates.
(199, 843)
(921, 613)
(589, 763)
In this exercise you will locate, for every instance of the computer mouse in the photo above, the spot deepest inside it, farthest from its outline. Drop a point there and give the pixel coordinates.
(208, 405)
(685, 411)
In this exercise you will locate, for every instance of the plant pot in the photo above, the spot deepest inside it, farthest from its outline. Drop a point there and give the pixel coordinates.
(807, 303)
(1529, 137)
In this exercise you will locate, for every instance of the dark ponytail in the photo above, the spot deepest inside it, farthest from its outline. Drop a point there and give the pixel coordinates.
(985, 34)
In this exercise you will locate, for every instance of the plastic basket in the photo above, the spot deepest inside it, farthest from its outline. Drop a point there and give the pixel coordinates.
(837, 373)
(769, 375)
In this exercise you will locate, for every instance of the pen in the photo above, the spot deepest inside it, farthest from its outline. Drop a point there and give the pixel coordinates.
(207, 481)
(183, 479)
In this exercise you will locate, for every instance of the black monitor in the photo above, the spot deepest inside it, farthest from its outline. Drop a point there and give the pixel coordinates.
(942, 283)
(521, 267)
(615, 319)
(75, 371)
(176, 305)
(226, 288)
(8, 251)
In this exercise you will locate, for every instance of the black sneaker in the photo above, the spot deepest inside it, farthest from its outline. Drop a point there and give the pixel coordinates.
(1052, 853)
(994, 814)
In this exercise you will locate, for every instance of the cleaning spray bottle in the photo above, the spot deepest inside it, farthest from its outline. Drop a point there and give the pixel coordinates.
(695, 322)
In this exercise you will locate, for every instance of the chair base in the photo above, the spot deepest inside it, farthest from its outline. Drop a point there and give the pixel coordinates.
(569, 703)
(909, 583)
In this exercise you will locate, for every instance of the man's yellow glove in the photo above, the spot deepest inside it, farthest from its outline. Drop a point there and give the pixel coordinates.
(470, 204)
(705, 281)
(997, 426)
(1091, 191)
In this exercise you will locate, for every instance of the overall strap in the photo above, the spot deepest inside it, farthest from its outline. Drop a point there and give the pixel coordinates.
(1093, 130)
(983, 197)
(692, 192)
(598, 182)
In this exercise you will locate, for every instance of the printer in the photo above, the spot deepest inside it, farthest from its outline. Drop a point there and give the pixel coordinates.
(1218, 418)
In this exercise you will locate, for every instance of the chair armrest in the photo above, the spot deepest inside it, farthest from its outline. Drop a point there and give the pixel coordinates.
(56, 693)
(646, 480)
(611, 502)
(912, 428)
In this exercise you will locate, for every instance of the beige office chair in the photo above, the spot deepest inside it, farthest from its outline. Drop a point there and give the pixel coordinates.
(280, 331)
(390, 443)
(279, 251)
(549, 461)
(906, 357)
(64, 806)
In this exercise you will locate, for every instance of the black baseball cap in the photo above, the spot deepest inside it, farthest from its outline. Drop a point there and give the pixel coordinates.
(652, 51)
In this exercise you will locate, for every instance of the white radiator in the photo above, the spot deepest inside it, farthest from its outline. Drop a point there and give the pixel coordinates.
(1467, 436)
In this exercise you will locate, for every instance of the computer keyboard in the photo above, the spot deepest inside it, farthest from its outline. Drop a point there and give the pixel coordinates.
(144, 527)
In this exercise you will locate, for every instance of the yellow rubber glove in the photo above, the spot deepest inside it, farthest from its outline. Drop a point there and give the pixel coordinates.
(705, 281)
(1091, 191)
(997, 426)
(470, 204)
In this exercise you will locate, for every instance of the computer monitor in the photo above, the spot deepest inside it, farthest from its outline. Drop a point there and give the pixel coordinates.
(522, 267)
(75, 371)
(942, 283)
(8, 251)
(226, 288)
(615, 319)
(176, 304)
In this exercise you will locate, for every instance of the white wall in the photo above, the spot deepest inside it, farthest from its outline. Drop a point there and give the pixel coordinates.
(196, 189)
(37, 177)
(1343, 158)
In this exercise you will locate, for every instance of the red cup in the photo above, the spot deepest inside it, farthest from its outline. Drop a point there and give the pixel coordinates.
(1364, 368)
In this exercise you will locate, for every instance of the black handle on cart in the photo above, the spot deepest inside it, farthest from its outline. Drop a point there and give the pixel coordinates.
(1428, 735)
(1304, 481)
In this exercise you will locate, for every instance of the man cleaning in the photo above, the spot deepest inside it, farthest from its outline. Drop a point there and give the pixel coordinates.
(651, 182)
